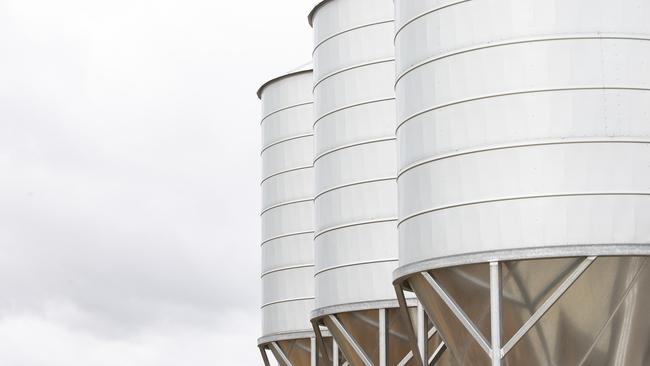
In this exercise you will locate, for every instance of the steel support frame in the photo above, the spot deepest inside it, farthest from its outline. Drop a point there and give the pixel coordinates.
(406, 318)
(265, 357)
(495, 351)
(351, 341)
(334, 360)
(421, 330)
(280, 352)
(335, 353)
(274, 347)
(320, 341)
(420, 340)
(435, 356)
(383, 337)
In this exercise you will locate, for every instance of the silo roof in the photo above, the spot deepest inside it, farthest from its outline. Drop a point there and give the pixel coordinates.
(308, 67)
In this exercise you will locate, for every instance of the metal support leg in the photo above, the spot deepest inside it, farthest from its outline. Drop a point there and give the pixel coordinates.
(314, 351)
(406, 318)
(320, 342)
(383, 334)
(422, 338)
(265, 357)
(495, 312)
(335, 353)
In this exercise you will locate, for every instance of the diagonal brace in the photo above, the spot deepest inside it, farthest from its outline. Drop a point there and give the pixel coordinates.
(265, 357)
(406, 318)
(353, 343)
(280, 353)
(435, 357)
(458, 312)
(573, 277)
(321, 348)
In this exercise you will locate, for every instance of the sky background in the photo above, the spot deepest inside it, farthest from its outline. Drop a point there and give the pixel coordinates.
(129, 177)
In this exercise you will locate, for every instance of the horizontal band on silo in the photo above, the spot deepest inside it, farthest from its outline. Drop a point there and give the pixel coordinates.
(349, 30)
(371, 101)
(290, 138)
(630, 37)
(516, 92)
(284, 109)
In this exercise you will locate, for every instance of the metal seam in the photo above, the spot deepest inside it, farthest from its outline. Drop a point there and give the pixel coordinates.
(593, 36)
(388, 303)
(421, 15)
(355, 264)
(352, 224)
(515, 198)
(514, 146)
(286, 204)
(353, 184)
(402, 273)
(288, 335)
(296, 233)
(350, 68)
(286, 171)
(281, 269)
(285, 108)
(511, 93)
(352, 106)
(290, 138)
(347, 31)
(287, 300)
(354, 144)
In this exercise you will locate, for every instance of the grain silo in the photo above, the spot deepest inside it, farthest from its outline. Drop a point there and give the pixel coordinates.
(355, 167)
(524, 177)
(287, 220)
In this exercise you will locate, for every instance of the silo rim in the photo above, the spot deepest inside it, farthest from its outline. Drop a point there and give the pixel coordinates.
(517, 254)
(358, 306)
(284, 336)
(301, 69)
(312, 12)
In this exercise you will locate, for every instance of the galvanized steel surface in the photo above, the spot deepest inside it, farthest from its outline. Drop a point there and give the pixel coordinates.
(287, 205)
(355, 160)
(601, 319)
(522, 124)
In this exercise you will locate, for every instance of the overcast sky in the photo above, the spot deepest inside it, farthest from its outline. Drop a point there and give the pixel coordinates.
(129, 177)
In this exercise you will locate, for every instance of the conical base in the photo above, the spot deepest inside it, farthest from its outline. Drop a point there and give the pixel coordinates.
(358, 334)
(603, 318)
(298, 352)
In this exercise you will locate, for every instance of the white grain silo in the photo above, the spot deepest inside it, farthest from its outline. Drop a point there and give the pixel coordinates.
(356, 193)
(287, 219)
(524, 177)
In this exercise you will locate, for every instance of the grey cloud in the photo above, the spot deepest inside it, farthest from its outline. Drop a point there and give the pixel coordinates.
(129, 173)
